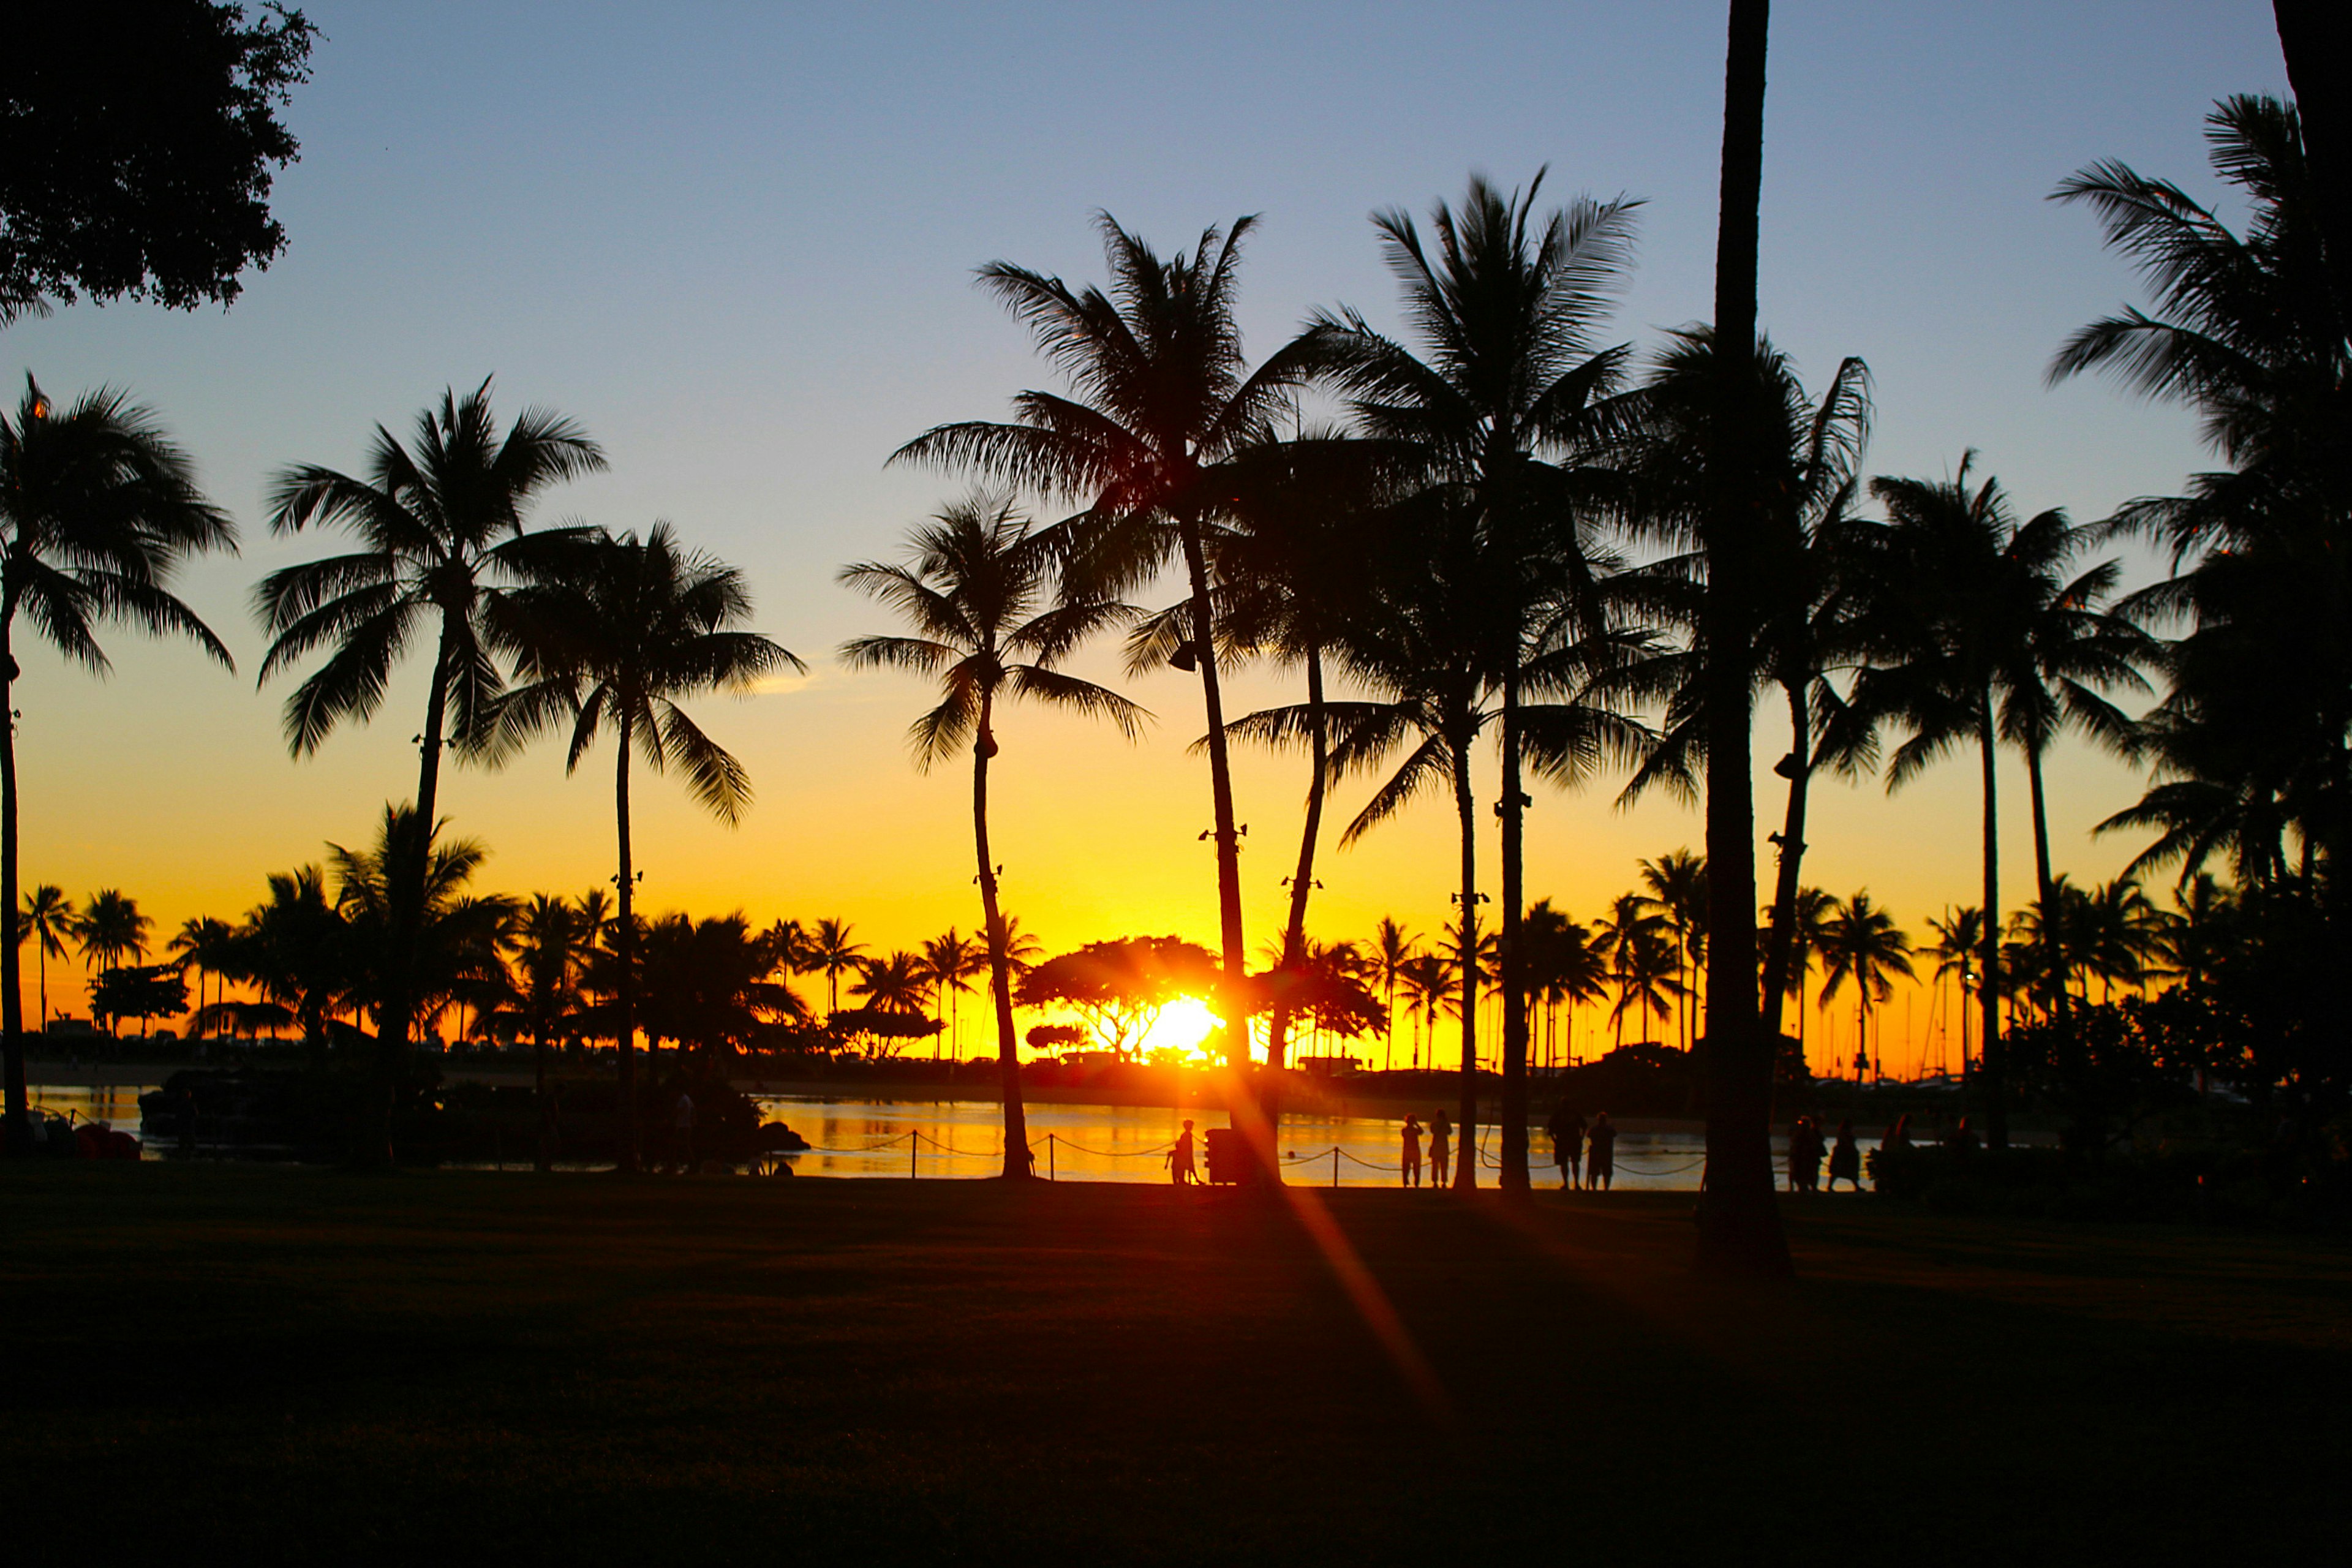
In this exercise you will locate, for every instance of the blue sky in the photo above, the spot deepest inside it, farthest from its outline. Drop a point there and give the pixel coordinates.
(737, 242)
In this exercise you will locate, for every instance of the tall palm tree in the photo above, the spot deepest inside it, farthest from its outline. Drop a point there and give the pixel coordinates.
(950, 960)
(895, 983)
(1565, 963)
(440, 526)
(1740, 1223)
(1862, 944)
(296, 951)
(549, 940)
(110, 929)
(2251, 738)
(610, 632)
(48, 918)
(1160, 398)
(1676, 883)
(1958, 948)
(1391, 948)
(976, 590)
(456, 958)
(1647, 969)
(1961, 586)
(830, 950)
(1502, 408)
(1428, 980)
(97, 512)
(202, 944)
(2198, 931)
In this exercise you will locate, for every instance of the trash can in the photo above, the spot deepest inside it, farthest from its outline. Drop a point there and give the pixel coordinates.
(1229, 1157)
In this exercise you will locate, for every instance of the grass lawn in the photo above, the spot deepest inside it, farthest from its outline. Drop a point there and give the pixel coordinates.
(301, 1365)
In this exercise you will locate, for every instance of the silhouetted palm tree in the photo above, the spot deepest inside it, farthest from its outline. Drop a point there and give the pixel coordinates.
(1498, 409)
(892, 983)
(97, 510)
(202, 944)
(48, 918)
(440, 526)
(296, 951)
(951, 963)
(828, 950)
(1861, 944)
(1961, 588)
(1958, 947)
(1428, 981)
(2250, 741)
(111, 929)
(1676, 883)
(1160, 398)
(608, 636)
(1564, 966)
(455, 959)
(1392, 947)
(548, 940)
(976, 592)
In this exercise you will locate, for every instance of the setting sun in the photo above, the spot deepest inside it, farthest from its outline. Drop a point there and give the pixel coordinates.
(1182, 1026)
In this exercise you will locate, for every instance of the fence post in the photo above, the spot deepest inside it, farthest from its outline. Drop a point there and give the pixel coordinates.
(1049, 1157)
(914, 1145)
(1335, 1166)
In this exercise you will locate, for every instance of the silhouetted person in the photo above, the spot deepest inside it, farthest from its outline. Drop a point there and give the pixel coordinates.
(1600, 1160)
(1411, 1150)
(1845, 1159)
(1897, 1136)
(1804, 1155)
(1441, 1147)
(1179, 1159)
(1568, 1144)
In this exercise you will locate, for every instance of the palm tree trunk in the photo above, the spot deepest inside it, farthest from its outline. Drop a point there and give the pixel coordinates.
(2055, 934)
(625, 952)
(2314, 35)
(15, 1138)
(1000, 969)
(1220, 793)
(1465, 1146)
(1739, 1222)
(1781, 939)
(546, 1159)
(1991, 1053)
(1514, 1139)
(1302, 881)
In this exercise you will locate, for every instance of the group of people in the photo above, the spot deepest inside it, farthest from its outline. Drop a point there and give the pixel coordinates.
(1441, 1148)
(1806, 1147)
(1585, 1153)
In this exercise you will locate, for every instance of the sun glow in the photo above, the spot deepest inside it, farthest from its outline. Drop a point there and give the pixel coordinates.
(1182, 1026)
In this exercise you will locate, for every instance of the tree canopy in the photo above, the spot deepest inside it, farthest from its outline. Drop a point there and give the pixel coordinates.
(142, 137)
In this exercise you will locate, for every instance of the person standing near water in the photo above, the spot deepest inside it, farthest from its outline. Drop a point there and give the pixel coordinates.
(1568, 1144)
(1180, 1159)
(1411, 1150)
(1845, 1159)
(1441, 1147)
(1600, 1161)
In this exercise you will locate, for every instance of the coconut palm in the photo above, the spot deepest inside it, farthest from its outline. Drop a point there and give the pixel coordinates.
(2198, 932)
(828, 950)
(1861, 944)
(1676, 884)
(976, 590)
(456, 958)
(111, 929)
(1958, 947)
(1647, 970)
(548, 938)
(1960, 584)
(1564, 966)
(439, 528)
(2250, 739)
(296, 951)
(894, 984)
(1500, 407)
(47, 917)
(951, 963)
(1428, 981)
(202, 944)
(610, 632)
(1159, 399)
(1391, 948)
(97, 512)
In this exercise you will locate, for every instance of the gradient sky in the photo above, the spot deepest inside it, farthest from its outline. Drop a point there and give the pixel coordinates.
(736, 242)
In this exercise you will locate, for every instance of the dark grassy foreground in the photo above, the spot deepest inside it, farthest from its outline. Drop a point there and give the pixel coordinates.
(287, 1366)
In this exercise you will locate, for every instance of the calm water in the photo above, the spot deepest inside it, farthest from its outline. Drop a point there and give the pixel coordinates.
(946, 1139)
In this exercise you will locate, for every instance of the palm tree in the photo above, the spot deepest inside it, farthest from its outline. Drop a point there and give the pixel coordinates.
(1647, 969)
(1391, 949)
(1428, 981)
(610, 632)
(97, 510)
(296, 951)
(110, 929)
(1500, 410)
(440, 526)
(1961, 585)
(1862, 944)
(1957, 947)
(457, 955)
(949, 962)
(1678, 889)
(2198, 931)
(1564, 964)
(830, 950)
(2250, 741)
(548, 938)
(202, 944)
(975, 589)
(894, 984)
(48, 917)
(1160, 399)
(1739, 1225)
